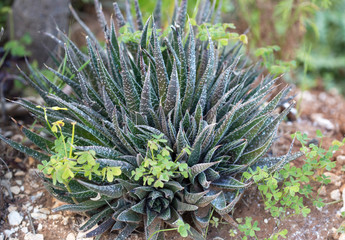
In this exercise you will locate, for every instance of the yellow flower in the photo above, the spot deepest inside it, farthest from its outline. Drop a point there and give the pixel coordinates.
(58, 108)
(59, 123)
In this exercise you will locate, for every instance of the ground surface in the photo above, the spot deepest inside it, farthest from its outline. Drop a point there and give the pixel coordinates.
(23, 193)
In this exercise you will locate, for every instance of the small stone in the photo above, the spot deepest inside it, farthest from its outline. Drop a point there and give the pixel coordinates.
(19, 182)
(70, 236)
(341, 160)
(18, 160)
(265, 221)
(335, 179)
(37, 215)
(22, 188)
(8, 232)
(343, 208)
(322, 191)
(15, 189)
(14, 218)
(45, 211)
(31, 161)
(12, 208)
(81, 236)
(8, 175)
(19, 173)
(335, 195)
(55, 216)
(322, 122)
(31, 236)
(24, 230)
(39, 227)
(65, 221)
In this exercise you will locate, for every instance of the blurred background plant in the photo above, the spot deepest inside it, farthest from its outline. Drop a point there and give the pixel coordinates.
(325, 40)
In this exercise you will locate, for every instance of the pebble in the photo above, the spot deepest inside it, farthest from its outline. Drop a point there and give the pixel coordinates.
(265, 220)
(12, 208)
(8, 232)
(341, 160)
(24, 230)
(39, 227)
(322, 191)
(44, 210)
(343, 208)
(15, 189)
(322, 122)
(335, 195)
(19, 173)
(37, 215)
(8, 175)
(55, 216)
(335, 179)
(70, 236)
(19, 182)
(31, 236)
(81, 236)
(14, 218)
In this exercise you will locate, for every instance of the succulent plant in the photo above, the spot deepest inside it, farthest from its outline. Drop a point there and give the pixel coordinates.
(187, 91)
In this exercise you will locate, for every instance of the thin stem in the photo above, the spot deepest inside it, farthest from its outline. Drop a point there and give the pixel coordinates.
(162, 230)
(205, 235)
(72, 140)
(70, 191)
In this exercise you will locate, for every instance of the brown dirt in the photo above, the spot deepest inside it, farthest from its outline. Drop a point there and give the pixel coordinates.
(320, 223)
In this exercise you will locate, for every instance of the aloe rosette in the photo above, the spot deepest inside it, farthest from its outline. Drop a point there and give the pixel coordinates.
(194, 93)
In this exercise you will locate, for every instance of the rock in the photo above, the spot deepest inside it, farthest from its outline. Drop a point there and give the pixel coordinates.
(265, 220)
(322, 122)
(19, 173)
(24, 230)
(55, 216)
(44, 210)
(12, 208)
(15, 190)
(8, 175)
(81, 236)
(70, 236)
(27, 18)
(343, 208)
(37, 215)
(341, 160)
(322, 191)
(8, 232)
(31, 236)
(39, 227)
(14, 218)
(19, 182)
(335, 195)
(335, 179)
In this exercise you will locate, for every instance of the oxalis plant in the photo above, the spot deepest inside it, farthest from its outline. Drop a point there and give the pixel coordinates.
(177, 118)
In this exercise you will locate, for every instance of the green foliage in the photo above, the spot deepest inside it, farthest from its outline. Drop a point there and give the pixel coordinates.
(275, 39)
(325, 36)
(159, 167)
(274, 66)
(138, 106)
(5, 8)
(248, 228)
(295, 185)
(64, 164)
(17, 48)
